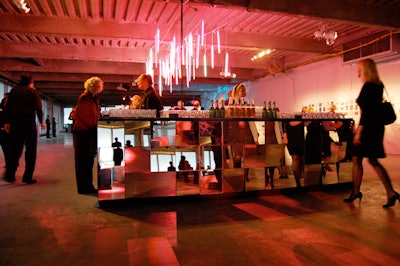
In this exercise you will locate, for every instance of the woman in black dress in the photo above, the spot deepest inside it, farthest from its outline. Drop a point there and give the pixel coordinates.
(295, 135)
(368, 137)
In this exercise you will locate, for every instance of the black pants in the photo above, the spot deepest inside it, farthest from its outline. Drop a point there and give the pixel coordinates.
(21, 136)
(85, 145)
(47, 131)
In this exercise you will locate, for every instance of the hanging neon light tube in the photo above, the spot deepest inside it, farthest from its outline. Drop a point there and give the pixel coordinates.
(212, 56)
(198, 51)
(226, 64)
(218, 43)
(205, 65)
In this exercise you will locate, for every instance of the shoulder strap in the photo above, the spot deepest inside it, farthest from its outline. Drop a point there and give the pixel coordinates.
(387, 94)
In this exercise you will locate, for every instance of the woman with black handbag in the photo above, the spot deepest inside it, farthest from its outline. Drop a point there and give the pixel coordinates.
(368, 137)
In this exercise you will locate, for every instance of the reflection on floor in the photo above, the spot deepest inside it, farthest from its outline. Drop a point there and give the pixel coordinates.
(48, 223)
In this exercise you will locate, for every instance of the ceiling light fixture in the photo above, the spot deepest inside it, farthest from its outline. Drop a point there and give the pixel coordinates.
(329, 35)
(227, 75)
(262, 54)
(22, 5)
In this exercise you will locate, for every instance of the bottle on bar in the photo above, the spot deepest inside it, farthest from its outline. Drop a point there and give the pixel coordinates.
(265, 111)
(274, 110)
(230, 107)
(242, 110)
(236, 108)
(222, 108)
(269, 110)
(252, 108)
(212, 110)
(216, 108)
(248, 109)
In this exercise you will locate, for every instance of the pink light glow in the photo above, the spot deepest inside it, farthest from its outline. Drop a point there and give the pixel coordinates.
(157, 48)
(218, 42)
(212, 56)
(205, 64)
(160, 86)
(202, 32)
(226, 64)
(198, 51)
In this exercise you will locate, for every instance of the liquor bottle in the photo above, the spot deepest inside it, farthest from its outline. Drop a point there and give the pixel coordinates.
(252, 108)
(265, 111)
(222, 108)
(248, 108)
(236, 108)
(274, 112)
(269, 109)
(217, 110)
(212, 110)
(242, 110)
(230, 112)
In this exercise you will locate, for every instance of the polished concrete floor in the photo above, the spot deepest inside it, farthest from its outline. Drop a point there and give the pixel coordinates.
(48, 223)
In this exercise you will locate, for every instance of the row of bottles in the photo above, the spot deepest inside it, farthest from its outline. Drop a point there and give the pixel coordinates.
(271, 111)
(236, 108)
(217, 108)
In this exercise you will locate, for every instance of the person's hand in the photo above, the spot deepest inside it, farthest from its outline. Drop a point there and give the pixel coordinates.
(7, 128)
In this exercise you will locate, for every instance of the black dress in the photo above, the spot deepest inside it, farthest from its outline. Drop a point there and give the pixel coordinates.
(373, 130)
(295, 135)
(314, 141)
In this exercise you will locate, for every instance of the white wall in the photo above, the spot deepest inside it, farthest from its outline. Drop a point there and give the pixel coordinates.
(328, 81)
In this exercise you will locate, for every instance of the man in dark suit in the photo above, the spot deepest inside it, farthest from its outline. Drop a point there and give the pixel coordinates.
(23, 105)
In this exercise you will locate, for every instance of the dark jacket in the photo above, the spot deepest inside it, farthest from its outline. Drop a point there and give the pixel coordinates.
(23, 105)
(151, 100)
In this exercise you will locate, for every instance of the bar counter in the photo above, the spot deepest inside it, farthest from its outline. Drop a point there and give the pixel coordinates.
(211, 156)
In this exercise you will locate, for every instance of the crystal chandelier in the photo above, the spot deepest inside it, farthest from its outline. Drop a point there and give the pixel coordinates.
(329, 35)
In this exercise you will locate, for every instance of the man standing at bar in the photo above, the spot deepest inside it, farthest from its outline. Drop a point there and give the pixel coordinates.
(23, 105)
(150, 98)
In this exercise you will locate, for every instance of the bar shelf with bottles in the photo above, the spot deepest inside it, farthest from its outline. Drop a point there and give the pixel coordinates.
(221, 159)
(242, 108)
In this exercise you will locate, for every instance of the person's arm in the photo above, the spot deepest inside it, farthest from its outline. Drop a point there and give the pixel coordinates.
(39, 111)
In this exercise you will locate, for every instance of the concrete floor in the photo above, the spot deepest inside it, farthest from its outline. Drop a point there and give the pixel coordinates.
(48, 223)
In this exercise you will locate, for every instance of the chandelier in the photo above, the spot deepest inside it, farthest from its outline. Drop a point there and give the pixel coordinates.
(328, 35)
(22, 5)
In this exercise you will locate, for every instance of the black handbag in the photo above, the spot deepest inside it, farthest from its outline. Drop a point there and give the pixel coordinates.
(387, 113)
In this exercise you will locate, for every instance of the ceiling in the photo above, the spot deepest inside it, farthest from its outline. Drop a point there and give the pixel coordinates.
(64, 42)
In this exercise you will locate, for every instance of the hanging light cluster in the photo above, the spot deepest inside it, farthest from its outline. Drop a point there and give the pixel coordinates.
(262, 54)
(183, 57)
(22, 5)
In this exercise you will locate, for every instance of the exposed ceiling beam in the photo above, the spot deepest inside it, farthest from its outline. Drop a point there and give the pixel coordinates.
(121, 70)
(339, 10)
(109, 31)
(101, 53)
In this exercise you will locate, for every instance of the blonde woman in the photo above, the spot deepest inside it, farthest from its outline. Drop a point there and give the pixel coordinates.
(368, 137)
(85, 134)
(135, 102)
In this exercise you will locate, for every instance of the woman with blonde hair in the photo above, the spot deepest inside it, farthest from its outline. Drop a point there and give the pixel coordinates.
(368, 137)
(85, 134)
(135, 102)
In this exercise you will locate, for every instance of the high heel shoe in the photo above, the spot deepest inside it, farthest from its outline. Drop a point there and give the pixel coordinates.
(392, 200)
(353, 197)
